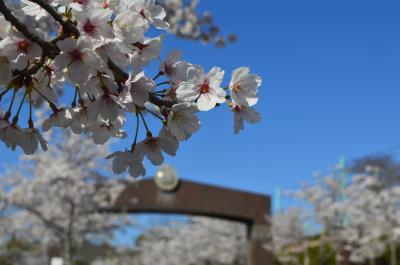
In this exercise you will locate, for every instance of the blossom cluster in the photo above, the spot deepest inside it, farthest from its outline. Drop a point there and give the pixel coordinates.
(186, 22)
(96, 51)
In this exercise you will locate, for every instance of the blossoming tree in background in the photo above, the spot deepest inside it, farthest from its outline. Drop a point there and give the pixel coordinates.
(55, 199)
(186, 22)
(201, 241)
(289, 242)
(373, 212)
(325, 199)
(96, 51)
(359, 218)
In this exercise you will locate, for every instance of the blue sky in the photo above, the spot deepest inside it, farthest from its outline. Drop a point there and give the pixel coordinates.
(330, 88)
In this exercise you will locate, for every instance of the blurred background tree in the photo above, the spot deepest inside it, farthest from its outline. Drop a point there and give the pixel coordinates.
(54, 201)
(389, 168)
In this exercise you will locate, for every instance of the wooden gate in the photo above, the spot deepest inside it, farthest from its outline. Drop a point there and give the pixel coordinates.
(198, 199)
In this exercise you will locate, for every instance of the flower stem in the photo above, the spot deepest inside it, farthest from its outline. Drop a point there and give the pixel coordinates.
(144, 122)
(30, 121)
(15, 120)
(73, 104)
(158, 75)
(163, 83)
(155, 115)
(136, 132)
(8, 113)
(51, 104)
(5, 92)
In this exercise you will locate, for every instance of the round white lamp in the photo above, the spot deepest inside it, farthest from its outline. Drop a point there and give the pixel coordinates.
(166, 178)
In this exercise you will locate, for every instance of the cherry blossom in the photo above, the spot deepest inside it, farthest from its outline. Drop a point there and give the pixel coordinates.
(127, 28)
(61, 118)
(41, 84)
(241, 114)
(5, 27)
(204, 88)
(104, 129)
(182, 121)
(127, 160)
(94, 23)
(243, 86)
(80, 5)
(146, 51)
(137, 89)
(152, 147)
(107, 106)
(80, 120)
(79, 59)
(148, 11)
(10, 135)
(19, 50)
(32, 9)
(174, 67)
(30, 139)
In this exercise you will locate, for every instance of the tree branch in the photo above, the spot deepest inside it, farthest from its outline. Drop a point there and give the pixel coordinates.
(67, 25)
(40, 216)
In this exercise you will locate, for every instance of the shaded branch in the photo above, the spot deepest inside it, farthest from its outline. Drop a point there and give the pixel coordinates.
(31, 71)
(67, 25)
(40, 216)
(159, 102)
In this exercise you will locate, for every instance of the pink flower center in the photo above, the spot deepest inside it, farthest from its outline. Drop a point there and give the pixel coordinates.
(205, 88)
(89, 27)
(151, 144)
(169, 69)
(82, 2)
(142, 13)
(76, 55)
(237, 108)
(23, 46)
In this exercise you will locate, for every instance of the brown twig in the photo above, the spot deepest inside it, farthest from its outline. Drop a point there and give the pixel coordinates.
(32, 70)
(67, 25)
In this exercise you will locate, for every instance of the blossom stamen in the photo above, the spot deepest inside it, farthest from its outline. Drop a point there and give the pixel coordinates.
(76, 55)
(23, 46)
(89, 27)
(236, 86)
(204, 88)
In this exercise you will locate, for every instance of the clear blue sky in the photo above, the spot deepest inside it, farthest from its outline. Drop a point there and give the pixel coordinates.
(331, 88)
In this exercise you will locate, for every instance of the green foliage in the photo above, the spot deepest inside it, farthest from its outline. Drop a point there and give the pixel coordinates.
(5, 261)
